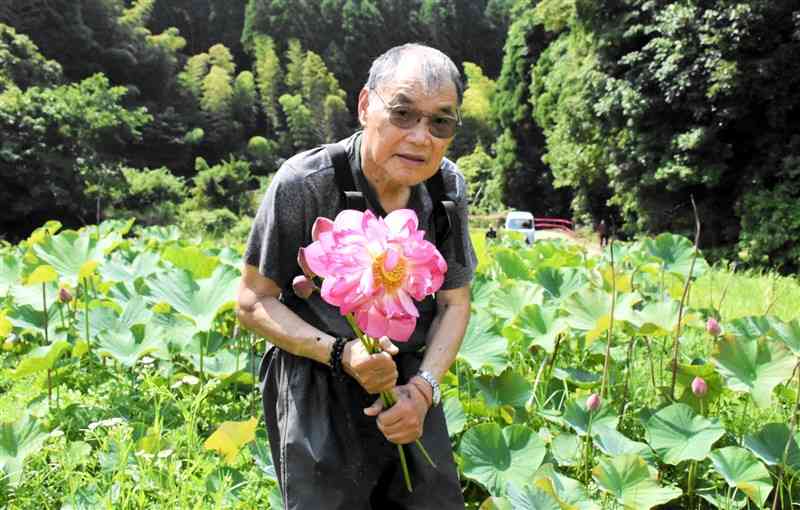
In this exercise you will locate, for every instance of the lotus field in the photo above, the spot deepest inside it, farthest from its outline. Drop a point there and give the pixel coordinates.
(584, 381)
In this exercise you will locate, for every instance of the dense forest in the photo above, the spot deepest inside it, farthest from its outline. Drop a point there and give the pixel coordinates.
(179, 111)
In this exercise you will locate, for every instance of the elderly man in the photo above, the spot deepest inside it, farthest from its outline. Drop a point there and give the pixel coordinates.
(333, 444)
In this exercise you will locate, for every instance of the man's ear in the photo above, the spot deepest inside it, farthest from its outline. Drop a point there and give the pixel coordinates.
(363, 105)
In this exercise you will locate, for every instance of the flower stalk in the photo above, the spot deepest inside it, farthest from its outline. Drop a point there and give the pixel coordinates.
(388, 400)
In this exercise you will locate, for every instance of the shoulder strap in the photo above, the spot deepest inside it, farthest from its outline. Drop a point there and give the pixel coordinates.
(443, 212)
(351, 198)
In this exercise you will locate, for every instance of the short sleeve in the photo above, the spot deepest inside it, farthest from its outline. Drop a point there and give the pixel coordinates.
(459, 272)
(279, 227)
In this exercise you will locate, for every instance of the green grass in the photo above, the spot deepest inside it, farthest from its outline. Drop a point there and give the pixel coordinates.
(748, 293)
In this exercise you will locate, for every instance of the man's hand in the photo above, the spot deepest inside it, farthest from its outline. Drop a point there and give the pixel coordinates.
(374, 372)
(403, 422)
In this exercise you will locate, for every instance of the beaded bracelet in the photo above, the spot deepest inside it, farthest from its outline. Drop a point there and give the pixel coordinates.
(336, 357)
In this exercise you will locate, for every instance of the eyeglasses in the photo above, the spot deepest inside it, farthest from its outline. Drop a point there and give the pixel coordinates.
(406, 117)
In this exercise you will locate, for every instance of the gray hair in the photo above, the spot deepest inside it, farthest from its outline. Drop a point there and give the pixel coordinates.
(436, 66)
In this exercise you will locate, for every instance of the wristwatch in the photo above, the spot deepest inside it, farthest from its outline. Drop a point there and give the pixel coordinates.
(437, 393)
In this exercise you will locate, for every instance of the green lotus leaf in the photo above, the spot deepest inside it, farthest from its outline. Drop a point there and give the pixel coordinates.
(27, 319)
(770, 443)
(495, 503)
(18, 440)
(10, 273)
(676, 434)
(566, 449)
(536, 325)
(31, 295)
(723, 498)
(750, 328)
(613, 443)
(578, 417)
(483, 293)
(787, 332)
(263, 456)
(191, 258)
(590, 311)
(69, 252)
(103, 320)
(509, 388)
(632, 482)
(482, 347)
(225, 363)
(200, 300)
(555, 254)
(176, 331)
(685, 376)
(744, 472)
(753, 365)
(659, 318)
(128, 347)
(675, 253)
(41, 358)
(559, 284)
(118, 269)
(454, 414)
(509, 302)
(578, 377)
(569, 493)
(531, 498)
(512, 264)
(493, 457)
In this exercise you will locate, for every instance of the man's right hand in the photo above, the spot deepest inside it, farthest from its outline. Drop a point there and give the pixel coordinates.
(374, 372)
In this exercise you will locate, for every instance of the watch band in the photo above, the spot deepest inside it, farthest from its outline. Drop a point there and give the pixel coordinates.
(437, 394)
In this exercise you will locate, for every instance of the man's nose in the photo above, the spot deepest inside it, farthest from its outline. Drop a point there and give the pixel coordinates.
(420, 132)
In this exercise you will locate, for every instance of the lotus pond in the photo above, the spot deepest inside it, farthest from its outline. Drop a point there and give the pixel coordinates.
(584, 382)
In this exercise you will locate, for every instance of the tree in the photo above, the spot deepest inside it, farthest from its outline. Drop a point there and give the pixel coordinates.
(527, 181)
(58, 141)
(268, 73)
(671, 99)
(483, 181)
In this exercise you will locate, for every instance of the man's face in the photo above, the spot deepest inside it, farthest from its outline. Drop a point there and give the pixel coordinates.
(409, 156)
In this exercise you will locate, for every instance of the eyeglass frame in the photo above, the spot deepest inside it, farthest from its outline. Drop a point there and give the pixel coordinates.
(421, 114)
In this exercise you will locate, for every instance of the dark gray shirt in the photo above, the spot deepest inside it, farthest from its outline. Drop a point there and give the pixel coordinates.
(303, 189)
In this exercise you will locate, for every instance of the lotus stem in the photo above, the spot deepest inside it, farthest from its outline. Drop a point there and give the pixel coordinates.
(44, 307)
(388, 400)
(676, 342)
(47, 342)
(725, 291)
(588, 447)
(609, 332)
(86, 316)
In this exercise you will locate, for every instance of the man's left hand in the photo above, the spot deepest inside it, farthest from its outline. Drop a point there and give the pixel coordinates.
(403, 422)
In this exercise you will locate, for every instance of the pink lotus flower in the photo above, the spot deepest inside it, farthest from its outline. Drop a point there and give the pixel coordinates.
(712, 326)
(699, 387)
(593, 402)
(374, 268)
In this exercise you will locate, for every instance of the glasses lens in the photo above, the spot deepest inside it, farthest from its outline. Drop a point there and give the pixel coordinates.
(404, 118)
(440, 126)
(443, 127)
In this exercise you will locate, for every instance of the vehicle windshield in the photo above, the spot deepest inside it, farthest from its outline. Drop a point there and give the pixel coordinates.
(519, 224)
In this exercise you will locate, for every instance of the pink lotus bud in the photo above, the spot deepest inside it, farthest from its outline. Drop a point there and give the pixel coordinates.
(593, 402)
(712, 326)
(303, 263)
(64, 296)
(699, 387)
(303, 287)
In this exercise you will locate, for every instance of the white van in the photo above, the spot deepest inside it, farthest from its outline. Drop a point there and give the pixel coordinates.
(522, 221)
